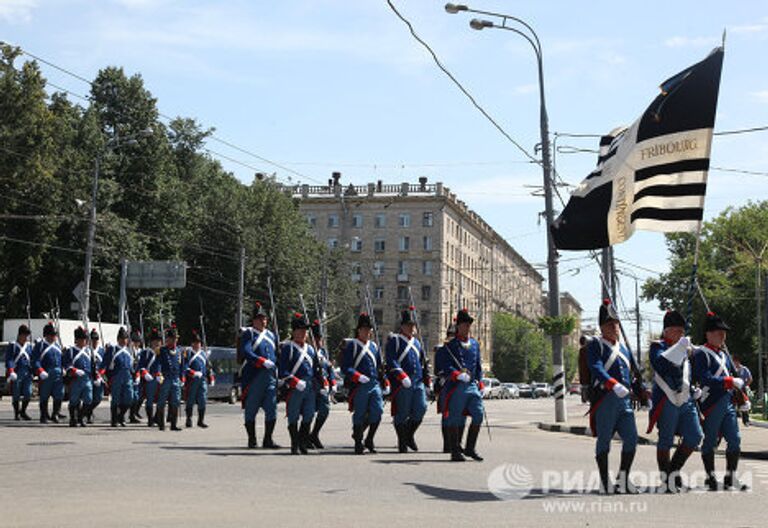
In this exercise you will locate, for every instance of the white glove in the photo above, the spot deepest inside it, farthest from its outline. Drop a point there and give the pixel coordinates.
(97, 381)
(213, 382)
(12, 377)
(387, 389)
(696, 393)
(198, 374)
(649, 405)
(301, 385)
(677, 353)
(464, 376)
(738, 383)
(324, 391)
(43, 375)
(406, 381)
(620, 390)
(746, 407)
(79, 373)
(685, 342)
(136, 381)
(334, 389)
(147, 377)
(268, 364)
(486, 391)
(363, 379)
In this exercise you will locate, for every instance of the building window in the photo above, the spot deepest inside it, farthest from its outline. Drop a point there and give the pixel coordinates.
(381, 220)
(378, 293)
(312, 220)
(402, 293)
(379, 245)
(427, 243)
(427, 220)
(402, 270)
(426, 267)
(378, 268)
(333, 220)
(426, 293)
(405, 243)
(357, 220)
(357, 271)
(357, 244)
(405, 220)
(378, 315)
(333, 243)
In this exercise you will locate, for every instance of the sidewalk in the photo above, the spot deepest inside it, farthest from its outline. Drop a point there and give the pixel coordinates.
(754, 439)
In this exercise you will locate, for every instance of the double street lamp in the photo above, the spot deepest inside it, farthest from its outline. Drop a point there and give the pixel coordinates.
(112, 145)
(526, 31)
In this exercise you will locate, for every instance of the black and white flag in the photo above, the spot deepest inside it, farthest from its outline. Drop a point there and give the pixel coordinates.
(653, 174)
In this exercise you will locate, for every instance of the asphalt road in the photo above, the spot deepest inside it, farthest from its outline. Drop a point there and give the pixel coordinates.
(136, 476)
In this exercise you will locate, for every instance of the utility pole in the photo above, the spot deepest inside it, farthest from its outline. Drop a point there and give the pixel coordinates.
(240, 293)
(637, 325)
(605, 264)
(86, 301)
(758, 300)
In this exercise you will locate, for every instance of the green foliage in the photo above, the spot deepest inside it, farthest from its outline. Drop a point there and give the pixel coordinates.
(162, 199)
(560, 325)
(521, 351)
(728, 263)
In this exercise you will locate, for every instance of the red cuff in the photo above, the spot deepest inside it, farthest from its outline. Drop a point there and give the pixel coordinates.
(293, 381)
(260, 361)
(728, 381)
(455, 375)
(10, 371)
(481, 385)
(183, 379)
(386, 382)
(72, 371)
(144, 372)
(102, 371)
(191, 372)
(40, 370)
(333, 383)
(356, 377)
(402, 375)
(610, 383)
(325, 383)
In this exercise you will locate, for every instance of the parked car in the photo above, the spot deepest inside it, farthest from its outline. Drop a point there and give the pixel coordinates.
(227, 386)
(511, 390)
(575, 388)
(524, 390)
(542, 390)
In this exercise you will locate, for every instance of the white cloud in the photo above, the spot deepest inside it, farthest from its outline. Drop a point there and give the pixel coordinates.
(497, 190)
(17, 11)
(761, 96)
(691, 42)
(750, 29)
(525, 89)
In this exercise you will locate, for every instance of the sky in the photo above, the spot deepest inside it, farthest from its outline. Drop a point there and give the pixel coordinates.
(325, 85)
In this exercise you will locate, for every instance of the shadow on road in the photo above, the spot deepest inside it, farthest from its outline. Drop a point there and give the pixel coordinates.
(453, 495)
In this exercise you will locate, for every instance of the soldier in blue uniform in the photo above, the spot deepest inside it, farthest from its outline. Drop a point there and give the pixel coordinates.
(198, 375)
(459, 364)
(136, 400)
(76, 362)
(18, 372)
(258, 377)
(97, 373)
(297, 366)
(149, 372)
(714, 371)
(362, 367)
(46, 362)
(674, 409)
(172, 368)
(611, 367)
(325, 386)
(405, 364)
(118, 364)
(439, 396)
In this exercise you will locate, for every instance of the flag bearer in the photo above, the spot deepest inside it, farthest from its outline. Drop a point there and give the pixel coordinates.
(18, 372)
(46, 362)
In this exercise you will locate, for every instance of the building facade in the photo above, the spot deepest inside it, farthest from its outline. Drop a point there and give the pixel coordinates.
(570, 306)
(419, 243)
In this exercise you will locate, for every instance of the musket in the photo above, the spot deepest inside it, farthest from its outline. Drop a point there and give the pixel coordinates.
(202, 323)
(57, 321)
(98, 315)
(272, 308)
(141, 322)
(162, 324)
(306, 318)
(29, 314)
(369, 309)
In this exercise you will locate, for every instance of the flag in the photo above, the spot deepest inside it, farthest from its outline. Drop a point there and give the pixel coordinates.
(653, 174)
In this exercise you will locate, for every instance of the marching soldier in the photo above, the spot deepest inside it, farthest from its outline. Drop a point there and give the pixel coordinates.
(440, 395)
(326, 385)
(136, 401)
(118, 364)
(18, 372)
(46, 361)
(610, 365)
(714, 371)
(198, 374)
(459, 364)
(149, 372)
(172, 370)
(76, 362)
(258, 349)
(405, 361)
(361, 365)
(97, 367)
(297, 367)
(674, 409)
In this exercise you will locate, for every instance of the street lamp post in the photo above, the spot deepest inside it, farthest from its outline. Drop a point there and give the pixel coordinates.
(546, 163)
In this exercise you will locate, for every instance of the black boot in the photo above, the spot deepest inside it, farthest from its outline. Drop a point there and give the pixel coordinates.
(293, 430)
(250, 429)
(624, 485)
(201, 419)
(454, 443)
(121, 415)
(410, 441)
(113, 416)
(16, 411)
(446, 442)
(675, 483)
(43, 413)
(137, 413)
(357, 436)
(731, 465)
(602, 467)
(461, 436)
(469, 450)
(188, 423)
(369, 437)
(23, 413)
(72, 419)
(134, 416)
(304, 442)
(160, 418)
(709, 468)
(88, 413)
(400, 431)
(314, 437)
(269, 429)
(173, 414)
(81, 411)
(56, 411)
(662, 460)
(150, 418)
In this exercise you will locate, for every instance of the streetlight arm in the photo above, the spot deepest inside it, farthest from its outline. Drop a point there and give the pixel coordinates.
(456, 8)
(533, 44)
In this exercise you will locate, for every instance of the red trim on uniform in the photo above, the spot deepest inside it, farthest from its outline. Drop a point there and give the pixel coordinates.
(728, 382)
(260, 362)
(481, 386)
(447, 402)
(402, 375)
(455, 375)
(103, 371)
(610, 383)
(143, 372)
(654, 418)
(356, 377)
(10, 371)
(592, 413)
(293, 381)
(40, 371)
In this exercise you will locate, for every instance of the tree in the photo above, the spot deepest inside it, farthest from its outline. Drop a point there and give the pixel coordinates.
(521, 351)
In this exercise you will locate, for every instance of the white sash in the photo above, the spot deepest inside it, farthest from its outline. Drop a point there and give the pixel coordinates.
(683, 395)
(81, 352)
(114, 357)
(22, 352)
(42, 356)
(410, 345)
(615, 354)
(365, 350)
(197, 355)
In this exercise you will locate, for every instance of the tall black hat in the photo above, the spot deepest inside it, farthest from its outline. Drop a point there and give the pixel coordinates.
(81, 333)
(258, 310)
(196, 337)
(317, 329)
(24, 330)
(464, 317)
(171, 331)
(154, 335)
(50, 329)
(407, 316)
(122, 333)
(715, 322)
(299, 322)
(673, 318)
(136, 336)
(94, 334)
(607, 313)
(364, 321)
